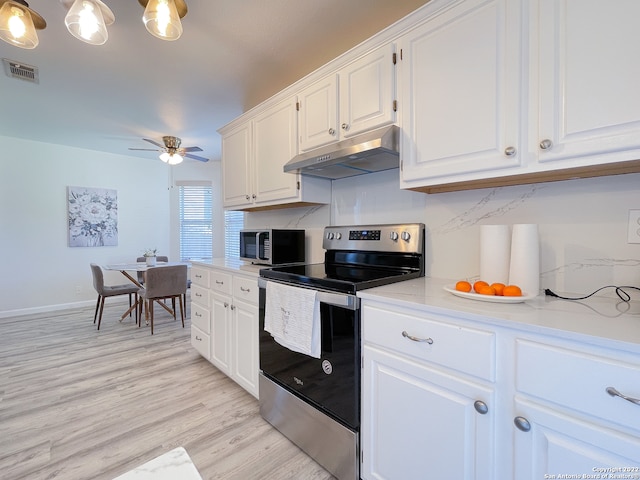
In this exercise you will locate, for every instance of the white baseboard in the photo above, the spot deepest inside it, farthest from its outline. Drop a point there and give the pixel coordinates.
(54, 308)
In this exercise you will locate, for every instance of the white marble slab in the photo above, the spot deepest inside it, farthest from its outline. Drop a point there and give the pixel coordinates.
(173, 465)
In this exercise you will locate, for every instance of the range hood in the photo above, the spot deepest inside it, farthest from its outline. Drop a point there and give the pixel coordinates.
(369, 152)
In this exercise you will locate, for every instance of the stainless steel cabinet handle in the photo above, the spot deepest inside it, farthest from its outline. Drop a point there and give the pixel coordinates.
(219, 282)
(198, 315)
(233, 307)
(242, 289)
(198, 295)
(247, 197)
(480, 407)
(546, 144)
(345, 126)
(615, 393)
(522, 424)
(331, 131)
(253, 196)
(510, 151)
(226, 304)
(416, 339)
(198, 276)
(198, 338)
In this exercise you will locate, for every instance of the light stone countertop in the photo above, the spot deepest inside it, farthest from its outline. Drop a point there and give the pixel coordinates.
(173, 465)
(232, 264)
(605, 321)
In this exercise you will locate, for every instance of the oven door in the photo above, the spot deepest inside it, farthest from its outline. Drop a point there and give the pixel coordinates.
(332, 382)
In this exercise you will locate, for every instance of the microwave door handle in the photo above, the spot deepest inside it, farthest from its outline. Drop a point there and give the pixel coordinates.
(258, 246)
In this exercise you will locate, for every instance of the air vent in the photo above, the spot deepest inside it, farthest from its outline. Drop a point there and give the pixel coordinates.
(20, 70)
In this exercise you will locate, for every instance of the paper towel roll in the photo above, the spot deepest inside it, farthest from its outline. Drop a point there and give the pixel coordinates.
(495, 248)
(525, 258)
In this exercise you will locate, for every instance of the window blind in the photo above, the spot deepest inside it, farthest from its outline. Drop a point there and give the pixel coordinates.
(196, 222)
(233, 223)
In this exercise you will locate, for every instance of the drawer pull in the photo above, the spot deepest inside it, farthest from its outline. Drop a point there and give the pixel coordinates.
(242, 289)
(416, 339)
(198, 338)
(198, 276)
(480, 407)
(198, 295)
(522, 424)
(198, 315)
(219, 282)
(226, 304)
(615, 393)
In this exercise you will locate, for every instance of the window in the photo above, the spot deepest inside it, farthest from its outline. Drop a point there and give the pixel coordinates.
(196, 222)
(233, 223)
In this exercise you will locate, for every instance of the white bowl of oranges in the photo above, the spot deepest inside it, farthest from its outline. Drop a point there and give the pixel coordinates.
(483, 291)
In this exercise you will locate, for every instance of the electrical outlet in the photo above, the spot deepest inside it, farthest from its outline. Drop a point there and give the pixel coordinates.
(633, 235)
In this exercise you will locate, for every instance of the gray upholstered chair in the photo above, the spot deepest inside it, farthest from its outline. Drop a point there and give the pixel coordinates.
(105, 291)
(159, 258)
(165, 283)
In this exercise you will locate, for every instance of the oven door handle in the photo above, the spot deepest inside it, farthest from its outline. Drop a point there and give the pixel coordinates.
(342, 300)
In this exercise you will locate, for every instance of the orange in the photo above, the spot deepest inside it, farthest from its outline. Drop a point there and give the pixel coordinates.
(512, 291)
(486, 290)
(463, 286)
(478, 284)
(499, 288)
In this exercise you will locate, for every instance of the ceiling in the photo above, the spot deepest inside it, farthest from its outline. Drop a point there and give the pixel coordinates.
(232, 55)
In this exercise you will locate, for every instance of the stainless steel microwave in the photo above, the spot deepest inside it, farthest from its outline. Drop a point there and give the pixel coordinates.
(272, 247)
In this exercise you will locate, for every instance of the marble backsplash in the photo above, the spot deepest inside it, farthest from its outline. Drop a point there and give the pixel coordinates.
(582, 223)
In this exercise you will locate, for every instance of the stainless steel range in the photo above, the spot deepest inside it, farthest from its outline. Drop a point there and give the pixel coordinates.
(314, 400)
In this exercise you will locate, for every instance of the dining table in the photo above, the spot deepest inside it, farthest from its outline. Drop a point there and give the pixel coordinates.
(130, 271)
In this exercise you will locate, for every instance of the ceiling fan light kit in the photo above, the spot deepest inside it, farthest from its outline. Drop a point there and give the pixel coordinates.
(18, 24)
(87, 20)
(162, 19)
(172, 152)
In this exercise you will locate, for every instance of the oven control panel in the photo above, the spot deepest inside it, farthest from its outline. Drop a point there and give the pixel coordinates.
(381, 238)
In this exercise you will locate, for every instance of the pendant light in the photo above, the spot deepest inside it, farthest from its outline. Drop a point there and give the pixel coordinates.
(87, 20)
(18, 24)
(162, 17)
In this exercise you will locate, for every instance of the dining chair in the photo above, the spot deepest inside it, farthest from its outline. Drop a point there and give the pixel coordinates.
(159, 258)
(164, 283)
(105, 291)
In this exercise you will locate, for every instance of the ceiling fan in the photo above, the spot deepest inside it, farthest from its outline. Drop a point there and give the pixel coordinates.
(172, 152)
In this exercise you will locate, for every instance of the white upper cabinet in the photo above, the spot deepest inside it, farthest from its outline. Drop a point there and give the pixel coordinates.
(459, 92)
(253, 156)
(588, 67)
(359, 97)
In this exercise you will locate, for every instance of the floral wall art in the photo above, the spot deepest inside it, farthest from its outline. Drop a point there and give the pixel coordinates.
(93, 217)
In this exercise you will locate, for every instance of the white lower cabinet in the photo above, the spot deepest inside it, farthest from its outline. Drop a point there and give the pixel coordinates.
(423, 418)
(230, 336)
(445, 396)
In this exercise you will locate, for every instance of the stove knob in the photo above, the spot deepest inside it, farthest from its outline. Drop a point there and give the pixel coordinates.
(338, 236)
(330, 236)
(393, 236)
(406, 236)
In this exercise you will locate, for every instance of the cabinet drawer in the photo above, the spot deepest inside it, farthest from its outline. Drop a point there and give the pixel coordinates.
(578, 380)
(200, 276)
(201, 342)
(200, 317)
(246, 289)
(463, 349)
(200, 295)
(221, 282)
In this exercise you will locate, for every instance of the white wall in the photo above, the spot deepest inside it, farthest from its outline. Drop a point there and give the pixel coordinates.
(583, 224)
(39, 269)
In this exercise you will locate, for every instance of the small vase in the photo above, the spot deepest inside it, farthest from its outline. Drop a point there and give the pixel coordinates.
(151, 261)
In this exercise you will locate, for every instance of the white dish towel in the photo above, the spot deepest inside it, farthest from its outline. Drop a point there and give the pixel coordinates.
(292, 317)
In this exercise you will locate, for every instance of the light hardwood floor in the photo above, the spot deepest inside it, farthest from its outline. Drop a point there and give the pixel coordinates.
(77, 403)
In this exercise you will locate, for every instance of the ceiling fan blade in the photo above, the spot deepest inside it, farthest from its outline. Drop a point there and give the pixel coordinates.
(145, 149)
(154, 142)
(192, 149)
(196, 157)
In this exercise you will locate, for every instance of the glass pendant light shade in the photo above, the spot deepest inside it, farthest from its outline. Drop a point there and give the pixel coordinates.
(175, 159)
(164, 156)
(162, 20)
(16, 25)
(87, 20)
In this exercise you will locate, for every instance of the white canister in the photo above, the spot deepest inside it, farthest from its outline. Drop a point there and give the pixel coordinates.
(151, 261)
(525, 258)
(495, 253)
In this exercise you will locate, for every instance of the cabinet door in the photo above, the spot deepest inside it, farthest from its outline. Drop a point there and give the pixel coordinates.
(418, 422)
(236, 166)
(245, 346)
(367, 92)
(275, 134)
(221, 332)
(318, 117)
(589, 106)
(559, 444)
(460, 90)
